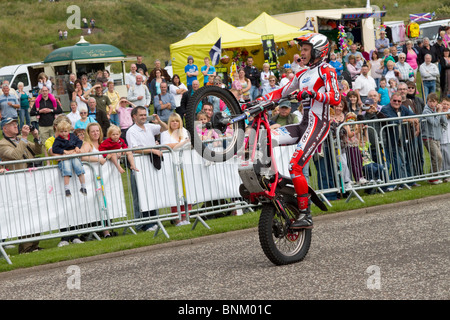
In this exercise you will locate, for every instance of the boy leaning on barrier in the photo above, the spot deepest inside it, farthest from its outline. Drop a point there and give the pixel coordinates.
(432, 133)
(14, 146)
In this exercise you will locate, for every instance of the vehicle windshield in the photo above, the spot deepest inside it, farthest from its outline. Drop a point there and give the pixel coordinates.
(6, 77)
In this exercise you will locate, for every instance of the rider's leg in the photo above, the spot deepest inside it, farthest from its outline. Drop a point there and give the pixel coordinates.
(313, 136)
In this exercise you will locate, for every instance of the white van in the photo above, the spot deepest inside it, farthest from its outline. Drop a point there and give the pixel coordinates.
(431, 29)
(26, 73)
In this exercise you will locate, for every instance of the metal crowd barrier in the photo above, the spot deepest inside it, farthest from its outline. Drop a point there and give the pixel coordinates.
(35, 208)
(399, 158)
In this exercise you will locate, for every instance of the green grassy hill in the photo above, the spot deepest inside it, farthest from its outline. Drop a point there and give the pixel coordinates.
(30, 28)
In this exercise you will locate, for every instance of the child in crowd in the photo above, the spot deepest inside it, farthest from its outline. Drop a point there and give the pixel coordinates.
(432, 133)
(124, 113)
(372, 170)
(80, 133)
(66, 143)
(115, 142)
(359, 62)
(206, 134)
(354, 157)
(384, 93)
(392, 86)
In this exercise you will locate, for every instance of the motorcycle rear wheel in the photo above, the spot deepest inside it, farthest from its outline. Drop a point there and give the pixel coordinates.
(281, 245)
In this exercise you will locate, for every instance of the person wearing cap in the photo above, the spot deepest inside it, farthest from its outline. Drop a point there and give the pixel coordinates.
(284, 117)
(16, 146)
(9, 104)
(382, 43)
(191, 71)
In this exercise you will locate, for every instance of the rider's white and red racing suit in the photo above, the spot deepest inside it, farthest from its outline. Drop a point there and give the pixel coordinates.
(321, 84)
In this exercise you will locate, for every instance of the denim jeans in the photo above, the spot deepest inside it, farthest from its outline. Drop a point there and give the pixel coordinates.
(115, 119)
(66, 167)
(429, 86)
(24, 117)
(254, 92)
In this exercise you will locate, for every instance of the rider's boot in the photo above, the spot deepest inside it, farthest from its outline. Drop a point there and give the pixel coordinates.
(305, 219)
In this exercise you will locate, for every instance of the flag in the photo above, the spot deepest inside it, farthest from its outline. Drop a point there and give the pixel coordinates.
(418, 17)
(215, 52)
(308, 26)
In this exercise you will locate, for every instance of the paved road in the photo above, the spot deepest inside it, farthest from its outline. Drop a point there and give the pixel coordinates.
(393, 252)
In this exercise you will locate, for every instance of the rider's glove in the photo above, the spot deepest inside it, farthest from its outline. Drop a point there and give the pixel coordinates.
(306, 96)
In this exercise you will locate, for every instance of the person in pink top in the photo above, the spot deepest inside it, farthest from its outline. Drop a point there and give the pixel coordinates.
(125, 118)
(411, 56)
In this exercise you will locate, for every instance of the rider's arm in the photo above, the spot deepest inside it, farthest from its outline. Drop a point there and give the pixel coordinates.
(331, 95)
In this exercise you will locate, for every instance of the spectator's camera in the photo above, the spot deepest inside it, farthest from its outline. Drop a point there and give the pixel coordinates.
(367, 104)
(298, 60)
(151, 118)
(32, 128)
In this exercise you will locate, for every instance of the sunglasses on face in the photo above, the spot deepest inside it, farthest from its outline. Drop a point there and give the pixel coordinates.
(396, 100)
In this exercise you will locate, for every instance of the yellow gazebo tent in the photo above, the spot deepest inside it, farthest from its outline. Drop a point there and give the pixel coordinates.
(266, 24)
(199, 44)
(283, 35)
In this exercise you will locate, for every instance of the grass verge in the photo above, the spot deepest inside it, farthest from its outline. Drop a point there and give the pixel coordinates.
(52, 253)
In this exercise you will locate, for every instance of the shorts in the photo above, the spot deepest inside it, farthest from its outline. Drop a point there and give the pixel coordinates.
(69, 165)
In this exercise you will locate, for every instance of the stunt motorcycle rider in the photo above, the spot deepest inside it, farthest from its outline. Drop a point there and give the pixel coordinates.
(318, 89)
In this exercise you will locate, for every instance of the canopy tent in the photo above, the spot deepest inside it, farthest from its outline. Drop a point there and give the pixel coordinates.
(266, 24)
(199, 44)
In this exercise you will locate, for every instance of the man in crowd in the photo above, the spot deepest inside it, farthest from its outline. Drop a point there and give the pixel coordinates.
(9, 104)
(252, 73)
(98, 115)
(284, 117)
(139, 94)
(130, 78)
(102, 101)
(382, 43)
(185, 99)
(354, 52)
(396, 136)
(164, 103)
(71, 85)
(139, 135)
(364, 83)
(429, 72)
(141, 65)
(47, 111)
(15, 146)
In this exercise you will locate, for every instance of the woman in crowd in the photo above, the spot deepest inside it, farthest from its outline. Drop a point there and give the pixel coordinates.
(445, 73)
(345, 88)
(245, 83)
(78, 93)
(177, 88)
(352, 67)
(155, 84)
(265, 74)
(92, 140)
(411, 56)
(85, 83)
(353, 102)
(114, 97)
(272, 86)
(176, 136)
(337, 117)
(85, 119)
(376, 70)
(24, 99)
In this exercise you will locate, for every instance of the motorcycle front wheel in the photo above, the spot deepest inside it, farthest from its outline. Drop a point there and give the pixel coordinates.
(280, 244)
(214, 139)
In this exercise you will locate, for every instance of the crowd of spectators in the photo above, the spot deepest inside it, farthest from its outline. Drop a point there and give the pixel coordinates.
(381, 84)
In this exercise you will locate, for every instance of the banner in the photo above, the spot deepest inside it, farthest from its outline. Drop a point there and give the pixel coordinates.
(270, 51)
(33, 200)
